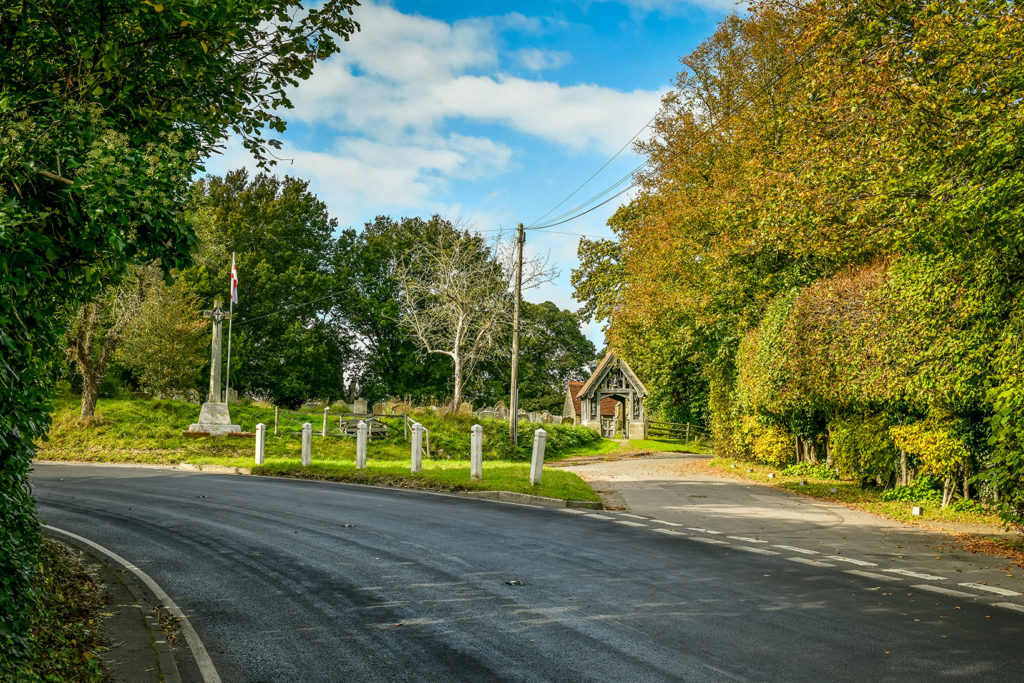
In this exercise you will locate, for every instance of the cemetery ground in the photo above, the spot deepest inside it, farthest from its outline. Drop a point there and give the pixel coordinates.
(144, 431)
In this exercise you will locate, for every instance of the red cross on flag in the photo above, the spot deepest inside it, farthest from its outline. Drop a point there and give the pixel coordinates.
(234, 281)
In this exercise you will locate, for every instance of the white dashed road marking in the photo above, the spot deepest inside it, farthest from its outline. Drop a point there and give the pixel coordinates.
(1009, 605)
(916, 575)
(670, 532)
(574, 511)
(627, 514)
(629, 523)
(746, 539)
(944, 591)
(871, 574)
(992, 589)
(813, 563)
(697, 528)
(859, 563)
(661, 521)
(752, 549)
(710, 540)
(604, 517)
(805, 551)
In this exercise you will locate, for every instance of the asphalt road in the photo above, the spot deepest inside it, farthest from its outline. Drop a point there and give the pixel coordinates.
(305, 581)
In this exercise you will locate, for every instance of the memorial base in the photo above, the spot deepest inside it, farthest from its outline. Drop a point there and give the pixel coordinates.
(215, 419)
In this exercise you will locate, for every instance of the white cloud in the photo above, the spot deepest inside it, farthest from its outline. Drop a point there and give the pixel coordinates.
(536, 59)
(674, 7)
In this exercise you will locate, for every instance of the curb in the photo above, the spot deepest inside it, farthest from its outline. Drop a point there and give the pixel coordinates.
(138, 584)
(529, 499)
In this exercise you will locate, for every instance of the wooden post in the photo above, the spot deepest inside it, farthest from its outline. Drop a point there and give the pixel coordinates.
(687, 432)
(513, 423)
(323, 432)
(275, 420)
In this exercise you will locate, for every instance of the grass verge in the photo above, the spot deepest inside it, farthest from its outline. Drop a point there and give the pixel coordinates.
(668, 446)
(63, 642)
(150, 432)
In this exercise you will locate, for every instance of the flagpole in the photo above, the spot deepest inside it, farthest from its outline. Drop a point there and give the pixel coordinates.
(231, 311)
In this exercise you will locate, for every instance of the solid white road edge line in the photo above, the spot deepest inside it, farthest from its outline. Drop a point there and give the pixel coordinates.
(746, 539)
(871, 575)
(629, 523)
(202, 658)
(793, 548)
(1009, 605)
(840, 558)
(752, 549)
(916, 575)
(813, 563)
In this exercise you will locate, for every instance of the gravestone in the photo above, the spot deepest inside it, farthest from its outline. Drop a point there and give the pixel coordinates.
(500, 411)
(378, 409)
(359, 406)
(465, 408)
(556, 419)
(487, 414)
(533, 417)
(214, 416)
(545, 417)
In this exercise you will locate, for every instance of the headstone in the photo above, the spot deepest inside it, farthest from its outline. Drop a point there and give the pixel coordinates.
(307, 444)
(501, 404)
(556, 419)
(417, 447)
(261, 442)
(522, 416)
(537, 461)
(501, 412)
(378, 408)
(465, 408)
(214, 416)
(359, 406)
(476, 453)
(487, 414)
(361, 433)
(533, 417)
(545, 417)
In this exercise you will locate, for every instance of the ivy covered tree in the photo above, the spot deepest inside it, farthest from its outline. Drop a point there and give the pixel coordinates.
(107, 109)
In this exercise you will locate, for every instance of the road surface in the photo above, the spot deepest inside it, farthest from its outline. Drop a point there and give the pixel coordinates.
(289, 580)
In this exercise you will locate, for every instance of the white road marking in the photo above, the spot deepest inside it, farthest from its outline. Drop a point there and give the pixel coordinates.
(752, 549)
(629, 523)
(993, 589)
(916, 575)
(805, 551)
(871, 575)
(1009, 605)
(604, 517)
(944, 591)
(813, 563)
(669, 532)
(199, 654)
(696, 528)
(627, 514)
(709, 540)
(661, 521)
(574, 511)
(859, 563)
(746, 539)
(709, 531)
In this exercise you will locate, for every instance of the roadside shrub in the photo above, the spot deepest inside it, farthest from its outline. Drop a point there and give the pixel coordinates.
(772, 445)
(806, 469)
(924, 489)
(862, 448)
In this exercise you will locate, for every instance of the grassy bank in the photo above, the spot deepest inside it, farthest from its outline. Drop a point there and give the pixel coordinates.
(668, 446)
(850, 493)
(150, 432)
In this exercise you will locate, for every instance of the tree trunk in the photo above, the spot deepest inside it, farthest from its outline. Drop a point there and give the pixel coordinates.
(946, 492)
(903, 468)
(457, 398)
(90, 391)
(967, 482)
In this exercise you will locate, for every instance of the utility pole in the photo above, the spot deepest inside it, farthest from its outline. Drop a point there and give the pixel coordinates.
(513, 414)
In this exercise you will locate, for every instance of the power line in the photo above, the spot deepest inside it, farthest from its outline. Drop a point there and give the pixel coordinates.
(284, 308)
(586, 207)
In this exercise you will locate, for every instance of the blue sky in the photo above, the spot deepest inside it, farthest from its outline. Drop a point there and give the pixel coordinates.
(488, 113)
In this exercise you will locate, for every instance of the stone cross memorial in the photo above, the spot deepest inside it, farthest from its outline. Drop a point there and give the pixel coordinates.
(214, 416)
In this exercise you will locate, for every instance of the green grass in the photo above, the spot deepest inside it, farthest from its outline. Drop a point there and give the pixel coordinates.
(150, 432)
(668, 446)
(850, 492)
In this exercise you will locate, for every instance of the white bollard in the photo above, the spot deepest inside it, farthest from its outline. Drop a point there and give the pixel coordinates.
(476, 452)
(361, 431)
(324, 431)
(307, 444)
(540, 437)
(417, 447)
(261, 442)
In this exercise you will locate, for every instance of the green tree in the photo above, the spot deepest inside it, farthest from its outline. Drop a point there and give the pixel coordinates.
(107, 108)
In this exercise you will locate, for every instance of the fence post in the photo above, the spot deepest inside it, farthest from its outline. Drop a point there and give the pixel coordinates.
(687, 432)
(426, 440)
(417, 447)
(361, 431)
(537, 462)
(261, 442)
(476, 452)
(275, 420)
(324, 430)
(405, 427)
(307, 444)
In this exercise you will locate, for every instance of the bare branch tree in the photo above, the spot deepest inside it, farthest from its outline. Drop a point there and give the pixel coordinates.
(455, 299)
